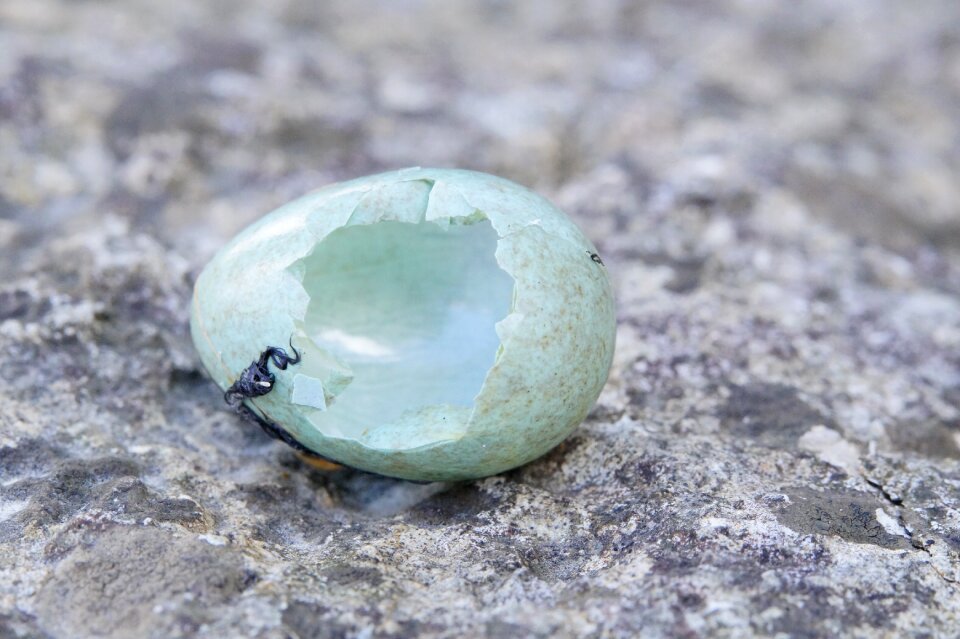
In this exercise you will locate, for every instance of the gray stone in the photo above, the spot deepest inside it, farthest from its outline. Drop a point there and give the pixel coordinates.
(771, 185)
(139, 581)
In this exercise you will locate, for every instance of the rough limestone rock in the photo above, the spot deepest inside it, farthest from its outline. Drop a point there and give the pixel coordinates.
(773, 187)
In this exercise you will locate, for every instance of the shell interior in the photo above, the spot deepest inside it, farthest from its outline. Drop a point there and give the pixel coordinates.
(408, 313)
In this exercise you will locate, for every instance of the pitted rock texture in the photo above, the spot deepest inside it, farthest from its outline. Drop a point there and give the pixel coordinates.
(771, 185)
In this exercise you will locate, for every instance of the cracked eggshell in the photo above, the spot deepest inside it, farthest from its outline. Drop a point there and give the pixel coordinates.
(424, 357)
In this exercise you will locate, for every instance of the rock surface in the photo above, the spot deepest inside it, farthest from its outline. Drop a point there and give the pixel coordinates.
(772, 186)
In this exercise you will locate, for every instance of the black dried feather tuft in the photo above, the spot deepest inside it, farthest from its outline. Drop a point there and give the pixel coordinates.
(256, 379)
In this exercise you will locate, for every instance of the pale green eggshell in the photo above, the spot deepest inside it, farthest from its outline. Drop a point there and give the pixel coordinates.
(520, 342)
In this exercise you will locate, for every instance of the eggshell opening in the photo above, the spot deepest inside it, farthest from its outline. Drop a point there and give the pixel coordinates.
(409, 312)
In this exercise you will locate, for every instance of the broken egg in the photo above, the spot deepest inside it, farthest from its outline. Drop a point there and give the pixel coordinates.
(450, 324)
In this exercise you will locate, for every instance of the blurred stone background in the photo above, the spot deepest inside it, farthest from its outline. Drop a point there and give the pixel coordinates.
(773, 186)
